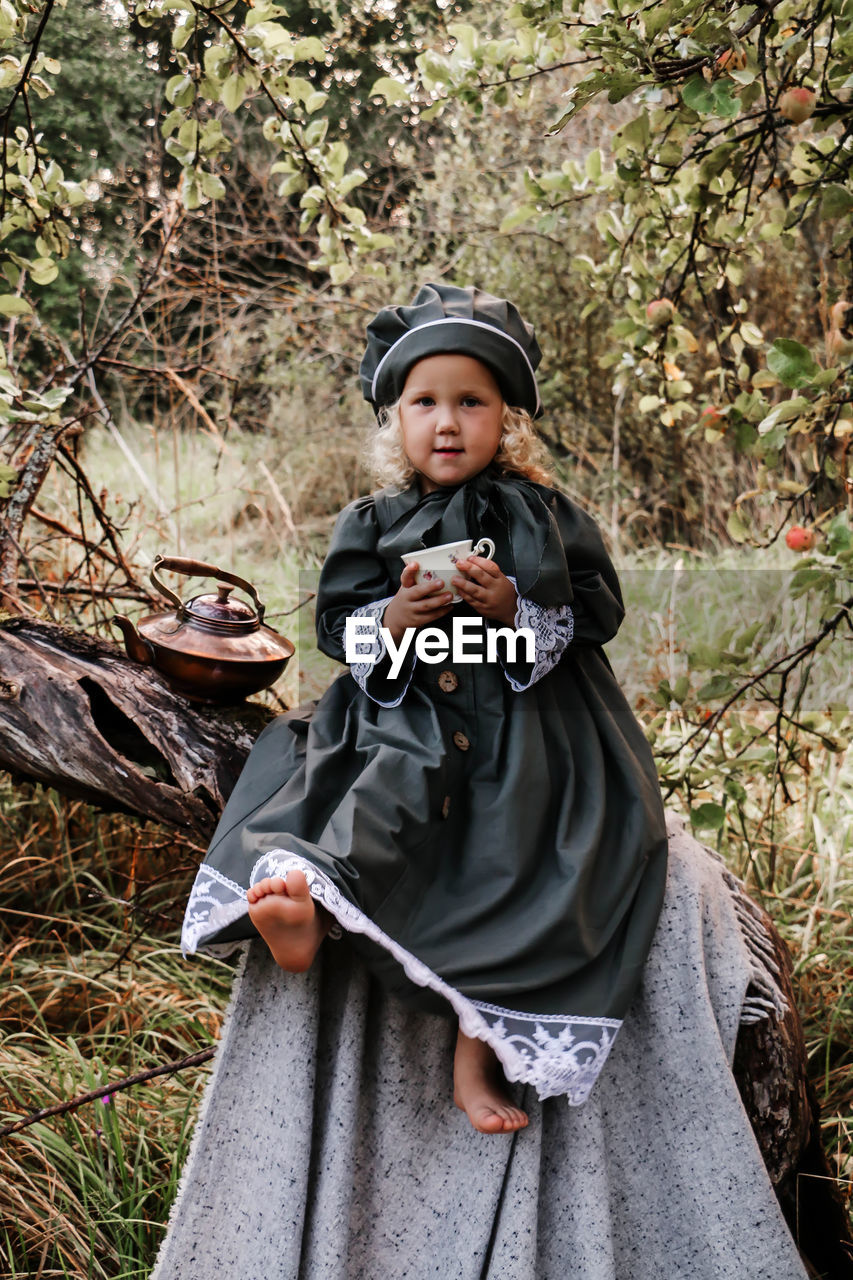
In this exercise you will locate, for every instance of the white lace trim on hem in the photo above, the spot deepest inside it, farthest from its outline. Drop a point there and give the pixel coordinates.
(558, 1054)
(215, 902)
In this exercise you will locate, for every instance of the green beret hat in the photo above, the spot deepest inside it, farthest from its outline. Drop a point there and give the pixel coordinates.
(444, 319)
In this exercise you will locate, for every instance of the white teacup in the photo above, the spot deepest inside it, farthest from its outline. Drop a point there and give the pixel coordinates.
(440, 562)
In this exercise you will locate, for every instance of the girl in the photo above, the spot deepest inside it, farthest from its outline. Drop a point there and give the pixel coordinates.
(490, 834)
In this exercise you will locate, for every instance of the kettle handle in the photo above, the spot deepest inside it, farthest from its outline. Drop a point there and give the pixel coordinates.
(179, 564)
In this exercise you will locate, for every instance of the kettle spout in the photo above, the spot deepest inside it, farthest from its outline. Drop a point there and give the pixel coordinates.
(137, 648)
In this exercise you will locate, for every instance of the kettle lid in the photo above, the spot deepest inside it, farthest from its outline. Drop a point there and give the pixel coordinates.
(220, 612)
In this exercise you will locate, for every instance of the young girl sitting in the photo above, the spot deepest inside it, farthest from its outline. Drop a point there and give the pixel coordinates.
(490, 834)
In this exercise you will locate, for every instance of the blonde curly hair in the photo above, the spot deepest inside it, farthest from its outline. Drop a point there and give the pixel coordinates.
(520, 452)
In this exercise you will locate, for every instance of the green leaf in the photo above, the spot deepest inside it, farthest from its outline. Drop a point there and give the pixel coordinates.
(316, 132)
(390, 89)
(190, 191)
(751, 334)
(682, 688)
(697, 95)
(340, 272)
(465, 36)
(233, 92)
(514, 219)
(839, 535)
(636, 133)
(353, 179)
(593, 165)
(710, 817)
(836, 201)
(180, 90)
(8, 480)
(715, 99)
(719, 686)
(171, 122)
(311, 48)
(621, 84)
(792, 363)
(43, 271)
(726, 103)
(12, 305)
(212, 185)
(289, 186)
(738, 529)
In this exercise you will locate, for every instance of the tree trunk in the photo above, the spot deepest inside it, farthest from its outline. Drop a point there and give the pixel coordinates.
(770, 1068)
(77, 715)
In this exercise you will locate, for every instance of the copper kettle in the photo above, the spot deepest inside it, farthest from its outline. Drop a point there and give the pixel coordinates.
(211, 649)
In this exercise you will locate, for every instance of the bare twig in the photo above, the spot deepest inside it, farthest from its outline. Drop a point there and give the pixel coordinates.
(106, 1091)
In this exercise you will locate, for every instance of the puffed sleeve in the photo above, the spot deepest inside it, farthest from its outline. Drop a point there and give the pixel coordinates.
(354, 578)
(596, 603)
(352, 575)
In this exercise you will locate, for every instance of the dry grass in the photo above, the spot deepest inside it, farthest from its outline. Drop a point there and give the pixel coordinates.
(93, 989)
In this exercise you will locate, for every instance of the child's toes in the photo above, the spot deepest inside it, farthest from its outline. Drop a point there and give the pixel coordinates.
(497, 1119)
(296, 886)
(263, 888)
(487, 1120)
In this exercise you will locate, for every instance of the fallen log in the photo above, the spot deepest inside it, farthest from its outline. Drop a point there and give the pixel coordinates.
(76, 714)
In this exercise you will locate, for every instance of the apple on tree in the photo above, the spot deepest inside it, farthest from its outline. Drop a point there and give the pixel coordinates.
(799, 538)
(797, 104)
(660, 312)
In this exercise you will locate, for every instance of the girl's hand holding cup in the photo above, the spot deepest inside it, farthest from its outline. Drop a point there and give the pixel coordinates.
(416, 604)
(486, 589)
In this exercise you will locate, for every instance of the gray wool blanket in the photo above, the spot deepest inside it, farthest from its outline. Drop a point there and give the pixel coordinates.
(328, 1147)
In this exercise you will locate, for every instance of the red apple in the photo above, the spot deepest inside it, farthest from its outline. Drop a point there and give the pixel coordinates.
(660, 312)
(800, 539)
(797, 104)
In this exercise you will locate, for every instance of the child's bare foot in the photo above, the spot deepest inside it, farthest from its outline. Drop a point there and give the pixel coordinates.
(284, 914)
(479, 1089)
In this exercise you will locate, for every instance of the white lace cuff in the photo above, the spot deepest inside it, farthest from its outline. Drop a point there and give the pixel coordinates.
(553, 629)
(373, 648)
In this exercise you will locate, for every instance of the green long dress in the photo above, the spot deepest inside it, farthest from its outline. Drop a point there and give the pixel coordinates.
(490, 834)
